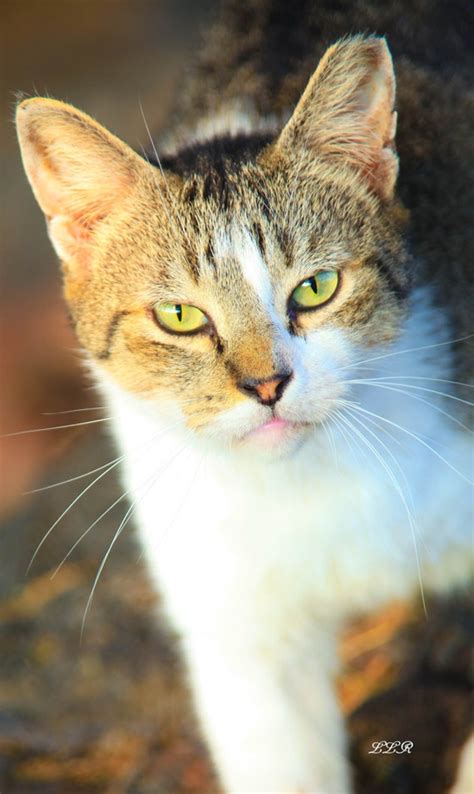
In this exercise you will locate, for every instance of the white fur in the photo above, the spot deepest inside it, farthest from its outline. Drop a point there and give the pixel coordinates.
(253, 267)
(465, 777)
(260, 560)
(232, 118)
(240, 246)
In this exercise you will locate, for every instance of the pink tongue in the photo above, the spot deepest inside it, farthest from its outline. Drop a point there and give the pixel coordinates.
(273, 424)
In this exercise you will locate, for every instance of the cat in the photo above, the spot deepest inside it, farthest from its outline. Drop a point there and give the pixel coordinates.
(283, 356)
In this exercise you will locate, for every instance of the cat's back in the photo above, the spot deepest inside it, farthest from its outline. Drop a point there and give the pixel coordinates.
(266, 50)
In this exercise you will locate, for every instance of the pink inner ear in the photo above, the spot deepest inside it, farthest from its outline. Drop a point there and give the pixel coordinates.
(376, 104)
(74, 168)
(72, 202)
(70, 239)
(42, 178)
(79, 173)
(60, 194)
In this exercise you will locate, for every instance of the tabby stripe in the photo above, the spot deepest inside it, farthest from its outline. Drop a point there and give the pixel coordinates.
(210, 255)
(111, 331)
(190, 192)
(192, 261)
(286, 246)
(260, 239)
(399, 290)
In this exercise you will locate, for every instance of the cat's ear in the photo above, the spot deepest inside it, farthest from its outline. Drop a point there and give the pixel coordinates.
(79, 172)
(347, 111)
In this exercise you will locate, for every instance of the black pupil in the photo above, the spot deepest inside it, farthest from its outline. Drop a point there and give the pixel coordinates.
(313, 285)
(179, 311)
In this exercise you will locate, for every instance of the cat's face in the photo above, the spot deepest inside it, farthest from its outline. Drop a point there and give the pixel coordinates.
(242, 283)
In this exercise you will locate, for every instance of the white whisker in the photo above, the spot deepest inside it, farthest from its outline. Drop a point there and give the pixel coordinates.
(73, 411)
(102, 566)
(422, 377)
(328, 431)
(387, 450)
(415, 436)
(398, 490)
(155, 477)
(393, 387)
(407, 350)
(336, 419)
(70, 479)
(443, 394)
(88, 487)
(170, 196)
(391, 382)
(56, 427)
(86, 532)
(66, 511)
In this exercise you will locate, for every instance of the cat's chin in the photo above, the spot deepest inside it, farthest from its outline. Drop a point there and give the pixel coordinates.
(276, 437)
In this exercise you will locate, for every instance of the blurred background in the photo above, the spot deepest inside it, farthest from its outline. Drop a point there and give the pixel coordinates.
(111, 713)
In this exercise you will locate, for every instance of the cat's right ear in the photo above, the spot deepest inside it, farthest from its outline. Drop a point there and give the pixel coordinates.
(346, 113)
(79, 172)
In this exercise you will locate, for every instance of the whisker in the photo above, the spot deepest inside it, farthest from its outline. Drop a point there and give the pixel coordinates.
(392, 387)
(328, 431)
(183, 500)
(387, 450)
(398, 490)
(95, 522)
(72, 411)
(391, 382)
(86, 532)
(170, 196)
(434, 391)
(102, 566)
(336, 418)
(418, 438)
(66, 511)
(422, 377)
(70, 479)
(117, 534)
(88, 487)
(408, 350)
(86, 474)
(56, 427)
(387, 433)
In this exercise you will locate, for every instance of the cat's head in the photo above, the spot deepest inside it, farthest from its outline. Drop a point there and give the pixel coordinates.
(240, 281)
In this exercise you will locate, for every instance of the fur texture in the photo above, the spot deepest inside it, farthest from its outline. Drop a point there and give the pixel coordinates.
(265, 526)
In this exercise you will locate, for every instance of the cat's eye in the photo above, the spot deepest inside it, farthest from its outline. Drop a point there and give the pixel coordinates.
(180, 318)
(315, 291)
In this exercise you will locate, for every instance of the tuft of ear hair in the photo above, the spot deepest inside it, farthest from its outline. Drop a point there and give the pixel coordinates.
(347, 111)
(77, 169)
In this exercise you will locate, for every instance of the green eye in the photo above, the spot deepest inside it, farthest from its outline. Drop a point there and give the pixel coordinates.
(181, 318)
(316, 290)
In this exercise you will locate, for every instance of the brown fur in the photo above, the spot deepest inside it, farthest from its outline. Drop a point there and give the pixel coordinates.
(131, 236)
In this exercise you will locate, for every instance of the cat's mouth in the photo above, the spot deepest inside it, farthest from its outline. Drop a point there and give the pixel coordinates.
(273, 432)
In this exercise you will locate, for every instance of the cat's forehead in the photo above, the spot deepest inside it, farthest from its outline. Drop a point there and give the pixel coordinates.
(245, 216)
(219, 156)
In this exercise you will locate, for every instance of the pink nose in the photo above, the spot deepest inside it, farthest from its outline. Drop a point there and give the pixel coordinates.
(267, 392)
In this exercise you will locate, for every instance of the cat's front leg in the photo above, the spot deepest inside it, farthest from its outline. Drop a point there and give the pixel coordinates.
(268, 708)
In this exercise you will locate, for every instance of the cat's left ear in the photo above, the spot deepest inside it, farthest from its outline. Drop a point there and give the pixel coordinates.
(347, 112)
(79, 172)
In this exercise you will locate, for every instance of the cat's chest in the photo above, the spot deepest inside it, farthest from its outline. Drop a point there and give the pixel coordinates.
(341, 534)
